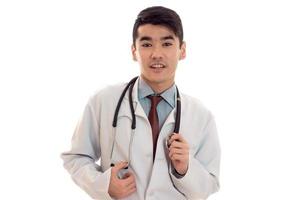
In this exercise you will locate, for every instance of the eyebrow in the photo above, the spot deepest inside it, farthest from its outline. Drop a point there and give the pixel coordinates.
(169, 37)
(147, 38)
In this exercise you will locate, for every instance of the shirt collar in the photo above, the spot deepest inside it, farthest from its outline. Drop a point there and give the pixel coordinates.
(145, 90)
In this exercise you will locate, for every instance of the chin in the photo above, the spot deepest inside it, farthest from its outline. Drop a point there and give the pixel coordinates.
(158, 80)
(155, 78)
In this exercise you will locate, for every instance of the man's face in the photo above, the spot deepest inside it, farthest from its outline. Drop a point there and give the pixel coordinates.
(157, 50)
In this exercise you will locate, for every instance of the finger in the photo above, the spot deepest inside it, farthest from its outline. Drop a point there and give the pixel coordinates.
(177, 137)
(128, 178)
(177, 157)
(128, 183)
(171, 155)
(131, 185)
(178, 151)
(180, 145)
(171, 139)
(130, 191)
(126, 192)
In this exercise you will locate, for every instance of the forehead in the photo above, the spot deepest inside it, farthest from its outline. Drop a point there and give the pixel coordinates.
(154, 31)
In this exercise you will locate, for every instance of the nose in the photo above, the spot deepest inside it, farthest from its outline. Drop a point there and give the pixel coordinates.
(157, 53)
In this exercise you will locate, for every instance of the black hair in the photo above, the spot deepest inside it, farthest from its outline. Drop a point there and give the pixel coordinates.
(159, 15)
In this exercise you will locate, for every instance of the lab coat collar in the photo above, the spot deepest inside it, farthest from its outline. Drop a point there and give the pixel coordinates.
(139, 111)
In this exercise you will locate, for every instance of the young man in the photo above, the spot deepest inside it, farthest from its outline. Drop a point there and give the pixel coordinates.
(141, 156)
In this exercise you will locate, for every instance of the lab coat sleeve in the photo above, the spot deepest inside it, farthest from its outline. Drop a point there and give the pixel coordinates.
(202, 177)
(81, 160)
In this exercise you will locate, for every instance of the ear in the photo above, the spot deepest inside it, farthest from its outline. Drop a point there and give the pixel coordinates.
(182, 51)
(133, 51)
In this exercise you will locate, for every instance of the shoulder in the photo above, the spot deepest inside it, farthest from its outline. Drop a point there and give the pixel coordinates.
(107, 95)
(194, 106)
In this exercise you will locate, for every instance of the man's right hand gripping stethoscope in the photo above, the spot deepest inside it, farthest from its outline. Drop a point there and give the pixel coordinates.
(124, 186)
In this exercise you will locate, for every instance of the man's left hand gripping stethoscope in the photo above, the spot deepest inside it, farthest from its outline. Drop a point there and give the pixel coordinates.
(133, 124)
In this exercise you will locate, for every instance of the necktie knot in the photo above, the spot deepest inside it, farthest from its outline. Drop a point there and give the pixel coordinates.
(155, 100)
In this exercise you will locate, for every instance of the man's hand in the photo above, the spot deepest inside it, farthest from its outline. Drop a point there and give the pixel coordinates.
(120, 188)
(179, 153)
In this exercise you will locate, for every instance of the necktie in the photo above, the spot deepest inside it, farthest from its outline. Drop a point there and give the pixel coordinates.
(153, 119)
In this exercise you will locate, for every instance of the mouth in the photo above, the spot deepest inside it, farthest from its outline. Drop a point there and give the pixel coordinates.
(157, 65)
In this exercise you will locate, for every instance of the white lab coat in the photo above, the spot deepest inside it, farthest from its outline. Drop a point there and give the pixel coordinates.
(93, 139)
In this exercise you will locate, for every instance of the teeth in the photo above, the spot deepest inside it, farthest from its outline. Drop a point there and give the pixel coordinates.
(157, 66)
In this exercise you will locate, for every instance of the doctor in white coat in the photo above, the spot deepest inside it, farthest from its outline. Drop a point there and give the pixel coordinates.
(133, 164)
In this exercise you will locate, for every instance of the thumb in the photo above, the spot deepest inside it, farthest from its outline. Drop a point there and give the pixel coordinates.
(119, 166)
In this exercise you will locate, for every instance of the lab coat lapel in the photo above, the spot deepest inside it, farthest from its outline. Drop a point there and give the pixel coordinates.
(171, 118)
(125, 106)
(139, 111)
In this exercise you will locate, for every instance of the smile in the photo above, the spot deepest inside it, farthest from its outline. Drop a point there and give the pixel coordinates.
(157, 65)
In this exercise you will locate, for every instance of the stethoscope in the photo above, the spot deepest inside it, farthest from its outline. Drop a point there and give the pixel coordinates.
(133, 123)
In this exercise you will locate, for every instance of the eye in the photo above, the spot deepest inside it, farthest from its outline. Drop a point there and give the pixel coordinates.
(166, 44)
(146, 45)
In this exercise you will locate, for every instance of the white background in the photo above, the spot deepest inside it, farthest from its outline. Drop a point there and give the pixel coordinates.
(243, 60)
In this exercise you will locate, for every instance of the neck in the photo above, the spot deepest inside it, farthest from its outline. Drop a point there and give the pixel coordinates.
(159, 87)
